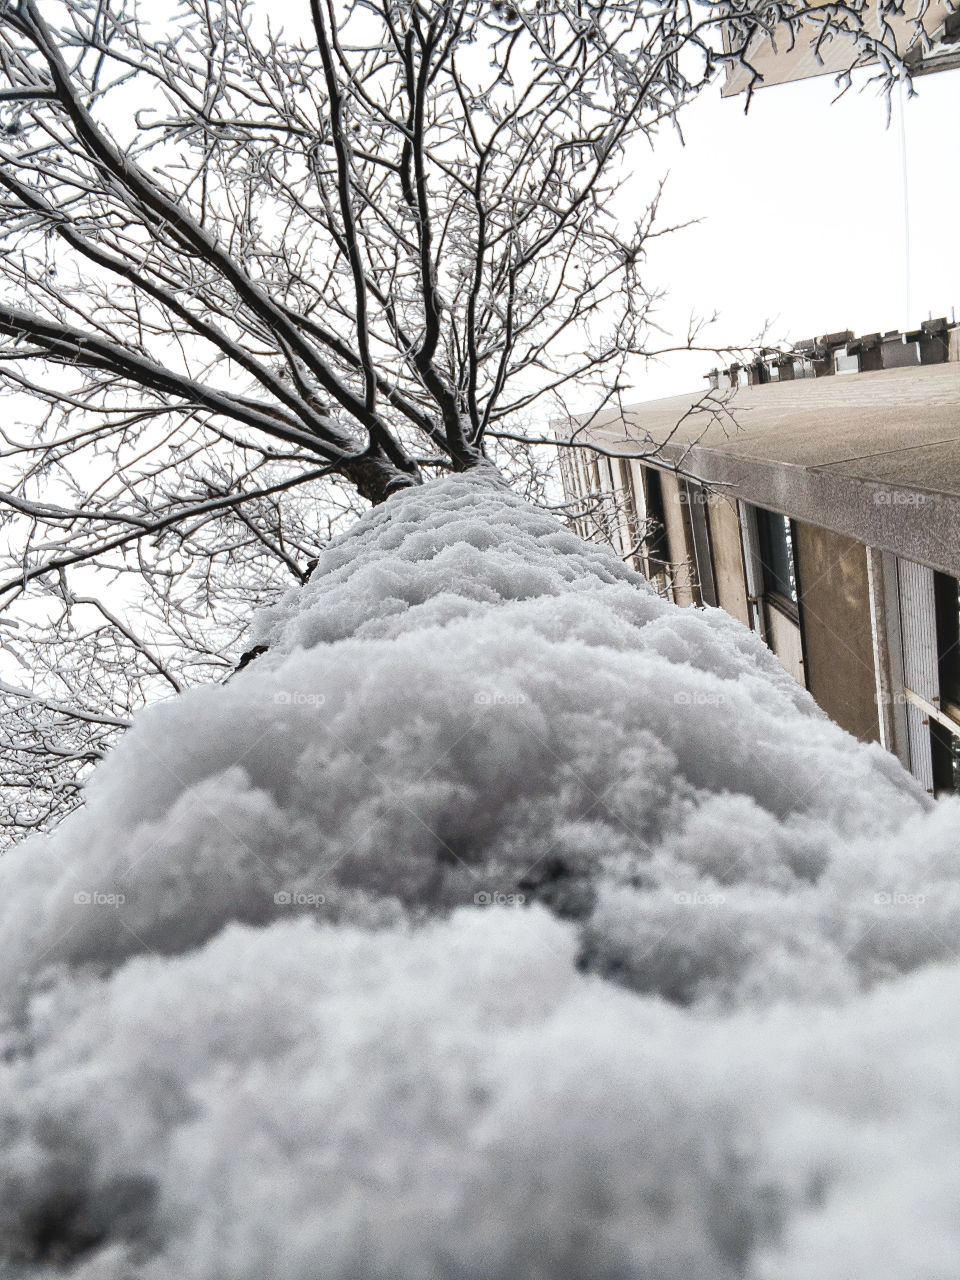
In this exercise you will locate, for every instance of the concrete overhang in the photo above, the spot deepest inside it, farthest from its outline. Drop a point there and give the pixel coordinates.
(875, 456)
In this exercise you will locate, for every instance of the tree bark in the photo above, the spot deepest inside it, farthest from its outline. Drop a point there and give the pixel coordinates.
(376, 477)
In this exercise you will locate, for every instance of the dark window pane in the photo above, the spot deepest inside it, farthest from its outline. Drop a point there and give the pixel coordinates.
(657, 541)
(947, 594)
(945, 748)
(776, 552)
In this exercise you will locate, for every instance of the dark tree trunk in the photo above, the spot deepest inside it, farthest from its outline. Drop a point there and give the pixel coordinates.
(375, 477)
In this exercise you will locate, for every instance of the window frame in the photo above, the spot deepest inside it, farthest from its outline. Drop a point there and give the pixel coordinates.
(770, 580)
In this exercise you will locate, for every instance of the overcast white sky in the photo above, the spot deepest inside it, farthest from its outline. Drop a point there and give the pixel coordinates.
(803, 215)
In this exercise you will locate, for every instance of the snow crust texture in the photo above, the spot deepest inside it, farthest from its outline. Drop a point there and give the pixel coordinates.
(502, 922)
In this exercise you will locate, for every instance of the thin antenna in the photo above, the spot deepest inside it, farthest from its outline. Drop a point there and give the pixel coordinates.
(906, 208)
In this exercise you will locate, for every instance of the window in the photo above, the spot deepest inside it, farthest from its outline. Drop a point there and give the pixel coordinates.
(944, 744)
(771, 579)
(696, 501)
(776, 554)
(657, 550)
(947, 604)
(945, 750)
(930, 634)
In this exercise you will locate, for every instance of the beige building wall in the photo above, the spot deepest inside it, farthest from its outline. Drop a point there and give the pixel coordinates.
(677, 519)
(727, 548)
(835, 658)
(838, 639)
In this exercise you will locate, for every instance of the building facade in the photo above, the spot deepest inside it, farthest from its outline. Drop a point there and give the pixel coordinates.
(814, 495)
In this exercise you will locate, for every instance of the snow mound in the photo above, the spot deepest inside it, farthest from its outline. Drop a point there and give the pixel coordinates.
(319, 981)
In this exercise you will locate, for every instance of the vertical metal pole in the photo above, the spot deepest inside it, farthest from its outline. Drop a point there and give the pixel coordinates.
(905, 180)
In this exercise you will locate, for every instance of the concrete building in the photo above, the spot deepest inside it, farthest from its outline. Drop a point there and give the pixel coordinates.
(814, 495)
(925, 33)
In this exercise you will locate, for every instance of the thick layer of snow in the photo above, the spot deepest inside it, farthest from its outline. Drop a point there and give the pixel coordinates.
(503, 922)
